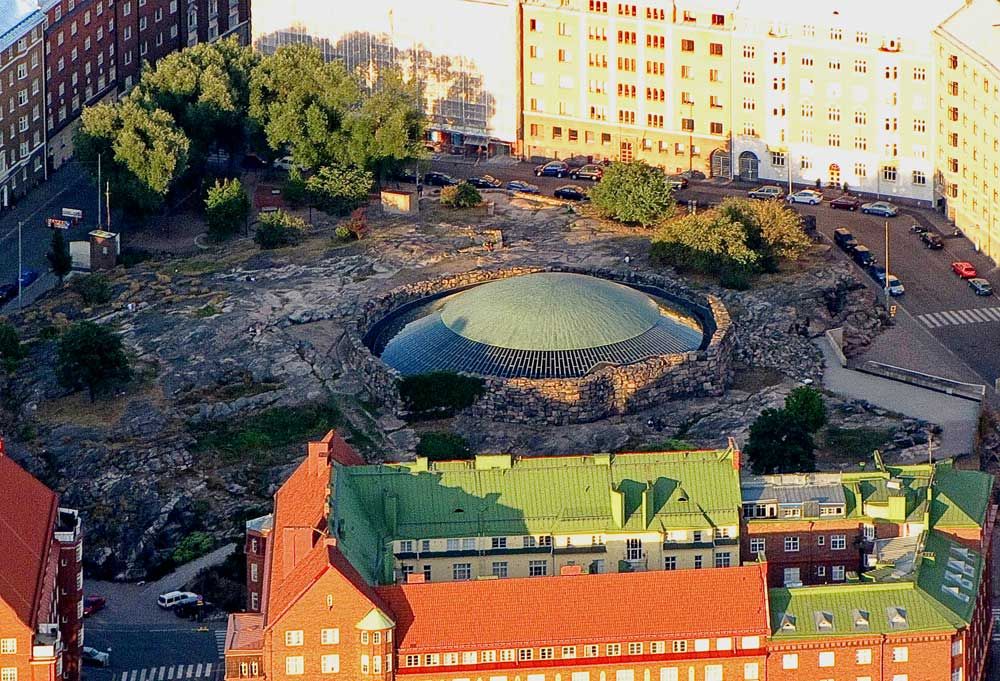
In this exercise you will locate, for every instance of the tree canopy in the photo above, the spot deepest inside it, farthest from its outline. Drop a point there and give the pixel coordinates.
(781, 440)
(227, 208)
(634, 193)
(58, 256)
(91, 356)
(339, 189)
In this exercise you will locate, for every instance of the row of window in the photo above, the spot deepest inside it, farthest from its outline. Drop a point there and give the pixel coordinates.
(573, 652)
(862, 656)
(838, 542)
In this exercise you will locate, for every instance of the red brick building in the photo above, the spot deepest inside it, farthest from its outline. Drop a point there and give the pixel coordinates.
(41, 583)
(258, 534)
(22, 101)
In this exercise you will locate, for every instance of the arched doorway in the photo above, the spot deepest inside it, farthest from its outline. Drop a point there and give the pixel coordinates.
(834, 174)
(749, 164)
(719, 160)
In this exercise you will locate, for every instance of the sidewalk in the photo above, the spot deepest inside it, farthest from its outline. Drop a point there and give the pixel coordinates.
(957, 417)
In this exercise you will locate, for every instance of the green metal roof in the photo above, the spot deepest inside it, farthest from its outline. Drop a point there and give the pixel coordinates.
(926, 601)
(550, 311)
(961, 498)
(502, 496)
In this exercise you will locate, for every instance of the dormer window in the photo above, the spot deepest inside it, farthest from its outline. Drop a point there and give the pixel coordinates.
(824, 621)
(897, 617)
(788, 622)
(891, 45)
(861, 620)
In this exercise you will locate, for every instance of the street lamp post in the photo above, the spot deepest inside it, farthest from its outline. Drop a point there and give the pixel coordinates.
(19, 272)
(887, 264)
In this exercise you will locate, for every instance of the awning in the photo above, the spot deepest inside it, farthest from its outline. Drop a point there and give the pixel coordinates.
(476, 140)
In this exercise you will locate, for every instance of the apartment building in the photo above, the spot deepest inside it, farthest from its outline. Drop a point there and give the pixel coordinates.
(22, 100)
(41, 585)
(967, 75)
(828, 528)
(613, 80)
(206, 21)
(337, 600)
(464, 53)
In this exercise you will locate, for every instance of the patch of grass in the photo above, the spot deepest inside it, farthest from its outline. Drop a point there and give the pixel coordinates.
(196, 266)
(855, 443)
(669, 445)
(192, 546)
(207, 311)
(258, 439)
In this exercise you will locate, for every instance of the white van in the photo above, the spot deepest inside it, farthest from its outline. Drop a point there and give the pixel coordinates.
(172, 599)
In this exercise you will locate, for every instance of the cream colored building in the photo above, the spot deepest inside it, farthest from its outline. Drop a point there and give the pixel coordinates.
(967, 72)
(464, 53)
(621, 81)
(839, 93)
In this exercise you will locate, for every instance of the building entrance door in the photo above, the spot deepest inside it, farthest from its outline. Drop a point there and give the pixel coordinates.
(834, 174)
(720, 164)
(625, 152)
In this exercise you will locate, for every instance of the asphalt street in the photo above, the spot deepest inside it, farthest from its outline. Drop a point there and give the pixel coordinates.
(68, 187)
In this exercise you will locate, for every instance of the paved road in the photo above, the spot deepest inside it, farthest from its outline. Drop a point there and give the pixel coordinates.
(68, 187)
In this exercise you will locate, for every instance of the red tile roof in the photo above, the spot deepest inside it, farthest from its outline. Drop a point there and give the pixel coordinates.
(659, 605)
(27, 517)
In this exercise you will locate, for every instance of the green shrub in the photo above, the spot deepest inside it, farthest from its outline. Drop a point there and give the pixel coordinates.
(95, 289)
(227, 208)
(633, 193)
(223, 584)
(91, 356)
(279, 229)
(340, 189)
(11, 351)
(440, 392)
(294, 189)
(440, 445)
(461, 195)
(131, 256)
(195, 545)
(343, 232)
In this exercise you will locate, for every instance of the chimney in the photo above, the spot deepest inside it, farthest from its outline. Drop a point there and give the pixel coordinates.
(319, 456)
(737, 455)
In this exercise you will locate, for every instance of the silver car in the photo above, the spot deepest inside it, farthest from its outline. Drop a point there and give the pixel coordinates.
(810, 196)
(883, 208)
(767, 192)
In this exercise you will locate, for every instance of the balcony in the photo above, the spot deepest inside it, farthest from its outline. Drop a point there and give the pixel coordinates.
(48, 642)
(67, 526)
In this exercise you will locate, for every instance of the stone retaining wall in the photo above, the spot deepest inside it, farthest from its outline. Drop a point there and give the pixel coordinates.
(606, 392)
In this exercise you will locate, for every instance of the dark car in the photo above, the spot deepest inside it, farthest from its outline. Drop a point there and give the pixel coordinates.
(843, 238)
(981, 287)
(693, 175)
(845, 203)
(408, 176)
(254, 162)
(677, 181)
(552, 169)
(932, 241)
(435, 179)
(571, 192)
(8, 292)
(28, 277)
(588, 172)
(522, 186)
(92, 604)
(863, 256)
(485, 182)
(877, 272)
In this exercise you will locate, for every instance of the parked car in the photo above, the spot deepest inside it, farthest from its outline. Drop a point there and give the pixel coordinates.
(766, 192)
(436, 179)
(485, 182)
(287, 163)
(28, 277)
(863, 256)
(895, 286)
(409, 176)
(522, 186)
(966, 270)
(693, 175)
(844, 239)
(677, 182)
(981, 287)
(810, 196)
(883, 208)
(588, 172)
(552, 169)
(172, 599)
(932, 241)
(845, 202)
(877, 272)
(92, 604)
(94, 657)
(571, 192)
(8, 292)
(253, 162)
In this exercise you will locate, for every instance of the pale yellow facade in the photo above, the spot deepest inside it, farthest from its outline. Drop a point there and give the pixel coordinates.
(621, 81)
(531, 556)
(967, 71)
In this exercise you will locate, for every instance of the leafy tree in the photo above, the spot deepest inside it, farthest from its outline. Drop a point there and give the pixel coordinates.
(279, 229)
(59, 258)
(339, 189)
(11, 351)
(95, 289)
(302, 102)
(779, 444)
(227, 207)
(440, 392)
(206, 90)
(805, 406)
(439, 445)
(294, 191)
(192, 546)
(462, 195)
(773, 231)
(91, 356)
(634, 193)
(388, 129)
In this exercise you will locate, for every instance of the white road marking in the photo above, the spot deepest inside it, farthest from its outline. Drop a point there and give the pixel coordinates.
(197, 671)
(170, 673)
(142, 675)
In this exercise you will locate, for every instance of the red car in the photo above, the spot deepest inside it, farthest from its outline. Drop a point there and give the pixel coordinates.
(92, 604)
(964, 269)
(845, 202)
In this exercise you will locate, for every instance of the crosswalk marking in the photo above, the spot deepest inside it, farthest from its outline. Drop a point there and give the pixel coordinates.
(976, 315)
(177, 672)
(220, 642)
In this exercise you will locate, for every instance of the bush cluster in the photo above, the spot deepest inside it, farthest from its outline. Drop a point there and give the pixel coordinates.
(781, 440)
(439, 445)
(439, 392)
(461, 195)
(95, 289)
(279, 229)
(634, 193)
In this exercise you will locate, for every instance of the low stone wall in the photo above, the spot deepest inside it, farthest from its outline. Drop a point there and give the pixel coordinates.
(606, 392)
